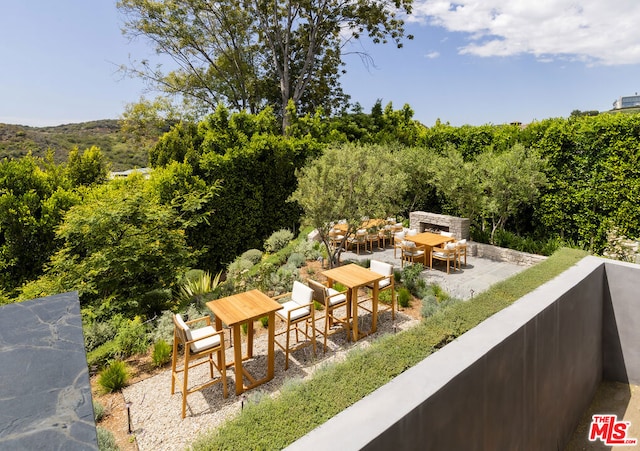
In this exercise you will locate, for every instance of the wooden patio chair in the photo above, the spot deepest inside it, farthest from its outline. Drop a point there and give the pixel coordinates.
(388, 283)
(446, 253)
(299, 310)
(412, 252)
(461, 248)
(398, 238)
(331, 300)
(198, 344)
(357, 240)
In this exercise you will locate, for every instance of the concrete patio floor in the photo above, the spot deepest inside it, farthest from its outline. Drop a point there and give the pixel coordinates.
(473, 278)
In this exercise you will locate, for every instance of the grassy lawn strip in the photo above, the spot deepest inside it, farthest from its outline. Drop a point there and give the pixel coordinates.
(302, 406)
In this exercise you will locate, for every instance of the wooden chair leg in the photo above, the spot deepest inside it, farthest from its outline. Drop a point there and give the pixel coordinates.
(185, 377)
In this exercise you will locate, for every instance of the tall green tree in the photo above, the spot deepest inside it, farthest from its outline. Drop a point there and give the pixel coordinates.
(119, 245)
(349, 182)
(250, 53)
(87, 168)
(34, 194)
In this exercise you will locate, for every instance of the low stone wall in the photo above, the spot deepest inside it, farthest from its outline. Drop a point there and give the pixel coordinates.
(502, 254)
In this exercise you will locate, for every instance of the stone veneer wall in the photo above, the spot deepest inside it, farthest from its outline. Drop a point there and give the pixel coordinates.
(458, 226)
(502, 254)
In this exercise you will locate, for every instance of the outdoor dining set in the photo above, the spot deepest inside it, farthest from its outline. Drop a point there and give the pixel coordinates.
(203, 341)
(413, 246)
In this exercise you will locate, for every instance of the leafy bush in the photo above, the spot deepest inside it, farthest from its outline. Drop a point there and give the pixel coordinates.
(311, 250)
(101, 355)
(404, 297)
(98, 411)
(296, 260)
(197, 286)
(264, 321)
(238, 268)
(132, 338)
(253, 255)
(155, 301)
(411, 279)
(436, 299)
(161, 353)
(278, 240)
(98, 333)
(106, 440)
(429, 305)
(163, 328)
(114, 377)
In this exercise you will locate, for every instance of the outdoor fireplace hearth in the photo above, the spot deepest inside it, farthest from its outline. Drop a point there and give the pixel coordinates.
(422, 221)
(433, 228)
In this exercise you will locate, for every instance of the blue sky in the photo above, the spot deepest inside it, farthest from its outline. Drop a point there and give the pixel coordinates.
(471, 62)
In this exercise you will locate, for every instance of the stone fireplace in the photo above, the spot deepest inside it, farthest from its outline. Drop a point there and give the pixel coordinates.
(422, 221)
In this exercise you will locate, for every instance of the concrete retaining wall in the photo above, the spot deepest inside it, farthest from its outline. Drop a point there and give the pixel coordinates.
(520, 380)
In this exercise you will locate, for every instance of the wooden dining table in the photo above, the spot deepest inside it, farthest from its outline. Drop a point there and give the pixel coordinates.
(429, 241)
(354, 277)
(244, 308)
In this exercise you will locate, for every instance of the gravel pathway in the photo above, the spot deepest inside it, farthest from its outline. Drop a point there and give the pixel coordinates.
(155, 413)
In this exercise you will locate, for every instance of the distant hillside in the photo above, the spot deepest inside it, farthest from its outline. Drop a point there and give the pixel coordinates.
(17, 140)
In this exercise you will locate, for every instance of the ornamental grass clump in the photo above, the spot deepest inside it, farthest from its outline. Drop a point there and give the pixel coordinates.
(161, 353)
(114, 377)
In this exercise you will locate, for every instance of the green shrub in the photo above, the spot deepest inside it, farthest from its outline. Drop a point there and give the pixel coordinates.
(404, 297)
(411, 279)
(132, 338)
(98, 411)
(264, 321)
(106, 440)
(155, 301)
(98, 333)
(296, 260)
(385, 297)
(253, 255)
(429, 305)
(278, 240)
(238, 268)
(311, 250)
(162, 328)
(161, 353)
(101, 355)
(114, 377)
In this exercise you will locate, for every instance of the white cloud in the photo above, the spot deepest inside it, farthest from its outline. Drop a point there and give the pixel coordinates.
(432, 55)
(594, 31)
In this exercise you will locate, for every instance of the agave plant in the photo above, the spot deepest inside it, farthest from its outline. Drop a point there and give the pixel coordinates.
(194, 289)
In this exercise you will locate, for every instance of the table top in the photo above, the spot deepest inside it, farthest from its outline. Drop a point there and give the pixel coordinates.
(352, 275)
(241, 307)
(429, 239)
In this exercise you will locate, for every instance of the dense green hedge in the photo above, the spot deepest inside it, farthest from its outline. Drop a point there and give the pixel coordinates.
(256, 171)
(274, 423)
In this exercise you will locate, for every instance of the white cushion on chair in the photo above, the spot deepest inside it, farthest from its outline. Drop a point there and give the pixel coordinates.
(382, 268)
(301, 294)
(461, 242)
(183, 325)
(450, 246)
(205, 343)
(384, 283)
(297, 314)
(448, 234)
(440, 254)
(333, 300)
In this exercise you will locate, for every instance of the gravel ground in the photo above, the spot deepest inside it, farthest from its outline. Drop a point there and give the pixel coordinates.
(155, 413)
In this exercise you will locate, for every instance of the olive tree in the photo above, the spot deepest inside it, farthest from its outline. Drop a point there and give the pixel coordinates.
(349, 182)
